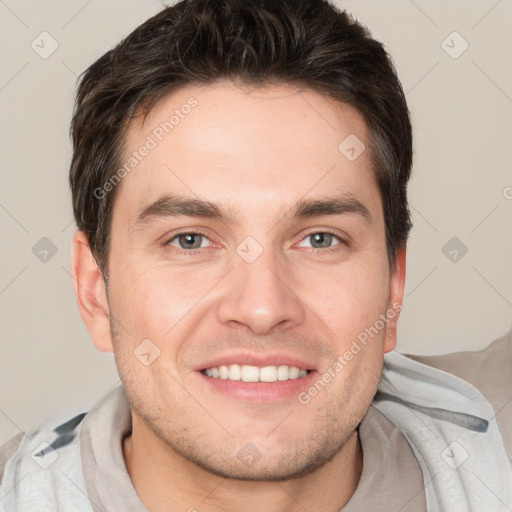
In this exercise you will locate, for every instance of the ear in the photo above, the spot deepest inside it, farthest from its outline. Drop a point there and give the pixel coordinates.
(90, 292)
(396, 294)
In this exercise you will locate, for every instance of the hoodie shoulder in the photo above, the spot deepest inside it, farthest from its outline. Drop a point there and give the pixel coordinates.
(490, 371)
(7, 450)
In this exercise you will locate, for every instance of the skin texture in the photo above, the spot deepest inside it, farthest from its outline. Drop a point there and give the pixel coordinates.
(255, 152)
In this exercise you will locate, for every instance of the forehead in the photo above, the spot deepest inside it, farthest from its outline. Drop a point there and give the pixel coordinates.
(249, 148)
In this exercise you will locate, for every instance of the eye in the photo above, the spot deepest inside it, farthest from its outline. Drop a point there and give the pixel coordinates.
(190, 242)
(322, 240)
(187, 241)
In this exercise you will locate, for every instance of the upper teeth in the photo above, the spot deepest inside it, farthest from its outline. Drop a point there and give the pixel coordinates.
(248, 373)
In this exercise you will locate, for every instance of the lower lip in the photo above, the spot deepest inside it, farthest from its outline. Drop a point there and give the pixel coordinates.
(260, 391)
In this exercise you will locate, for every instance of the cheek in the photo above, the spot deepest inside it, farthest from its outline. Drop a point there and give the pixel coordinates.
(149, 305)
(152, 302)
(347, 298)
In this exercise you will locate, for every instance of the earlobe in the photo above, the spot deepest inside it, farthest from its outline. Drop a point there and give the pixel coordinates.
(395, 299)
(90, 292)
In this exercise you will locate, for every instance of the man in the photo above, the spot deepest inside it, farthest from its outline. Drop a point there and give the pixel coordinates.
(239, 183)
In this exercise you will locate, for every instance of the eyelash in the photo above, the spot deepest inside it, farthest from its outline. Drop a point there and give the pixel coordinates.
(314, 250)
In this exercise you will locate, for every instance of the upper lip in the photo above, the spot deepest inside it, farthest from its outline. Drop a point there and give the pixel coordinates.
(254, 359)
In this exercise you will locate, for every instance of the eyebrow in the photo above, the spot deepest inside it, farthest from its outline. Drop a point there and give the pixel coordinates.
(173, 206)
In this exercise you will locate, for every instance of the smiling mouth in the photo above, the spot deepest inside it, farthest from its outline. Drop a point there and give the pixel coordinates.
(248, 373)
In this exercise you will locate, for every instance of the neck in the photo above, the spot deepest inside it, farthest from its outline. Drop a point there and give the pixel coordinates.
(165, 481)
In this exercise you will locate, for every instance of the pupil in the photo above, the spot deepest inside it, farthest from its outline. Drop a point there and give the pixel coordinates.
(189, 239)
(323, 239)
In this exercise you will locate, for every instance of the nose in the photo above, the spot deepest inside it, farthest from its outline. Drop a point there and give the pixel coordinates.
(261, 296)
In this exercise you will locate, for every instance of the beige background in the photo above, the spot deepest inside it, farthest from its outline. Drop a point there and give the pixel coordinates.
(462, 116)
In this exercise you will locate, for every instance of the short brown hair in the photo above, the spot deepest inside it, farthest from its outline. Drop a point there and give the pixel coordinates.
(309, 43)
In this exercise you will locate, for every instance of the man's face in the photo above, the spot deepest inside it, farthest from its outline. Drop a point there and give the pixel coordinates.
(253, 285)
